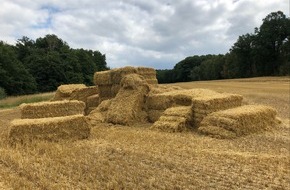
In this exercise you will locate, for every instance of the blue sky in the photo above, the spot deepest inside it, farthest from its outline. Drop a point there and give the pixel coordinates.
(149, 33)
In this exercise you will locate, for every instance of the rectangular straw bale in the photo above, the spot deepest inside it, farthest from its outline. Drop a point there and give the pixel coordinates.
(93, 101)
(64, 91)
(152, 81)
(239, 121)
(127, 107)
(84, 93)
(53, 129)
(202, 106)
(52, 109)
(105, 92)
(103, 78)
(162, 101)
(175, 119)
(119, 73)
(146, 70)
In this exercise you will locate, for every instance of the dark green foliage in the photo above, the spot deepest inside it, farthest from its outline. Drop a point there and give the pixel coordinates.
(2, 93)
(15, 78)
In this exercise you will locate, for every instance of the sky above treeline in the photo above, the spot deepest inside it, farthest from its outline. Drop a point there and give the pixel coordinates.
(149, 33)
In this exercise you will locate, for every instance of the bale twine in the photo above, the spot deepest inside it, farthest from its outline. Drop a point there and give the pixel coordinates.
(52, 109)
(73, 127)
(239, 121)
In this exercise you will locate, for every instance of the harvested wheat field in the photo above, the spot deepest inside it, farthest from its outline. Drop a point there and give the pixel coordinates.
(136, 157)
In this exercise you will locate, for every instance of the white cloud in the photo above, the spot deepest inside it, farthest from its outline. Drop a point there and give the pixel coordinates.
(138, 32)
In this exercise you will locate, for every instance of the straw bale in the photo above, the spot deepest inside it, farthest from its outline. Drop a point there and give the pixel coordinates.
(239, 121)
(127, 107)
(120, 73)
(158, 89)
(52, 109)
(162, 101)
(103, 78)
(204, 105)
(53, 129)
(151, 81)
(84, 93)
(175, 119)
(64, 91)
(145, 70)
(105, 92)
(93, 101)
(154, 115)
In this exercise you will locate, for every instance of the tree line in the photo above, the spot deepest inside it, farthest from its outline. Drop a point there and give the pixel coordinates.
(42, 65)
(264, 53)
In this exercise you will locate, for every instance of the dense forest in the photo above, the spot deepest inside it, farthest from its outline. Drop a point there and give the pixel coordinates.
(44, 64)
(264, 53)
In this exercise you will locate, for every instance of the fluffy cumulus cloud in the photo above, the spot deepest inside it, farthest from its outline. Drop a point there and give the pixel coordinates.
(138, 32)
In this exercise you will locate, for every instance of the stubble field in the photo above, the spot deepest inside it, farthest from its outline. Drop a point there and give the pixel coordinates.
(119, 157)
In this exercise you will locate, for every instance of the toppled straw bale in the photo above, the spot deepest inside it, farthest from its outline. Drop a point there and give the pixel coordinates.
(175, 119)
(64, 91)
(53, 129)
(162, 101)
(128, 106)
(204, 105)
(239, 121)
(52, 109)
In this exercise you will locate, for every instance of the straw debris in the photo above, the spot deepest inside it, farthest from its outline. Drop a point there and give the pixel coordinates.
(239, 121)
(175, 119)
(52, 109)
(52, 129)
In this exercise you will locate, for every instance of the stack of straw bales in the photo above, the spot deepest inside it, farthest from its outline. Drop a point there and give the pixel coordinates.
(128, 105)
(52, 109)
(158, 102)
(80, 92)
(73, 127)
(204, 105)
(175, 119)
(239, 121)
(108, 82)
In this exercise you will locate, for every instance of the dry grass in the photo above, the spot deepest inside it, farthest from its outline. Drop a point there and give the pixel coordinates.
(119, 157)
(14, 101)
